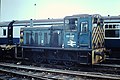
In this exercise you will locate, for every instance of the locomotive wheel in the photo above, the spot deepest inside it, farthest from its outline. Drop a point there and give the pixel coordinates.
(38, 59)
(52, 61)
(68, 63)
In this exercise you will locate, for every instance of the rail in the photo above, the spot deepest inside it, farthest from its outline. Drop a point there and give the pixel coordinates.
(50, 73)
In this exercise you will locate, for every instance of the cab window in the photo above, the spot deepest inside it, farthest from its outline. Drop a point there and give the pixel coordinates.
(71, 24)
(84, 27)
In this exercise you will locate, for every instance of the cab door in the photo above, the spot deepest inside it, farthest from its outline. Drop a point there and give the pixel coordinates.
(84, 32)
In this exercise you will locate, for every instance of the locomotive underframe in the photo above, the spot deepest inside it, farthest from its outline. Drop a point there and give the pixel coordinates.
(60, 55)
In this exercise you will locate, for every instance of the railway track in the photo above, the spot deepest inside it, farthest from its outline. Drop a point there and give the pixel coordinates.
(112, 61)
(103, 68)
(41, 73)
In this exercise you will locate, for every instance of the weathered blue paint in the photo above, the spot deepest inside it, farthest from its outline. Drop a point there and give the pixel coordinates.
(76, 41)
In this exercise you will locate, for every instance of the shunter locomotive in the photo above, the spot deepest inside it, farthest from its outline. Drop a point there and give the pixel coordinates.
(79, 40)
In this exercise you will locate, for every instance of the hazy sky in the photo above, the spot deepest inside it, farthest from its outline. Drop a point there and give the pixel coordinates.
(26, 9)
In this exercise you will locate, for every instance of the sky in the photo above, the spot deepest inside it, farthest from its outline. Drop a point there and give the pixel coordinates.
(43, 9)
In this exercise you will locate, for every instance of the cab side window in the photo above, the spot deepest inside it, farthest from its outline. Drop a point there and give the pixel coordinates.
(84, 27)
(71, 24)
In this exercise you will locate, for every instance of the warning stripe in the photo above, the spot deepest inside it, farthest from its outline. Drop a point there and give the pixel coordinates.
(97, 37)
(21, 35)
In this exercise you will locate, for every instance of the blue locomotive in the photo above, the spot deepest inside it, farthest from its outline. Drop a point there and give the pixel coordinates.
(112, 35)
(80, 39)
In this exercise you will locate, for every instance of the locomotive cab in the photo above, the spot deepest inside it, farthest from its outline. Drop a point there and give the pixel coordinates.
(77, 32)
(85, 33)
